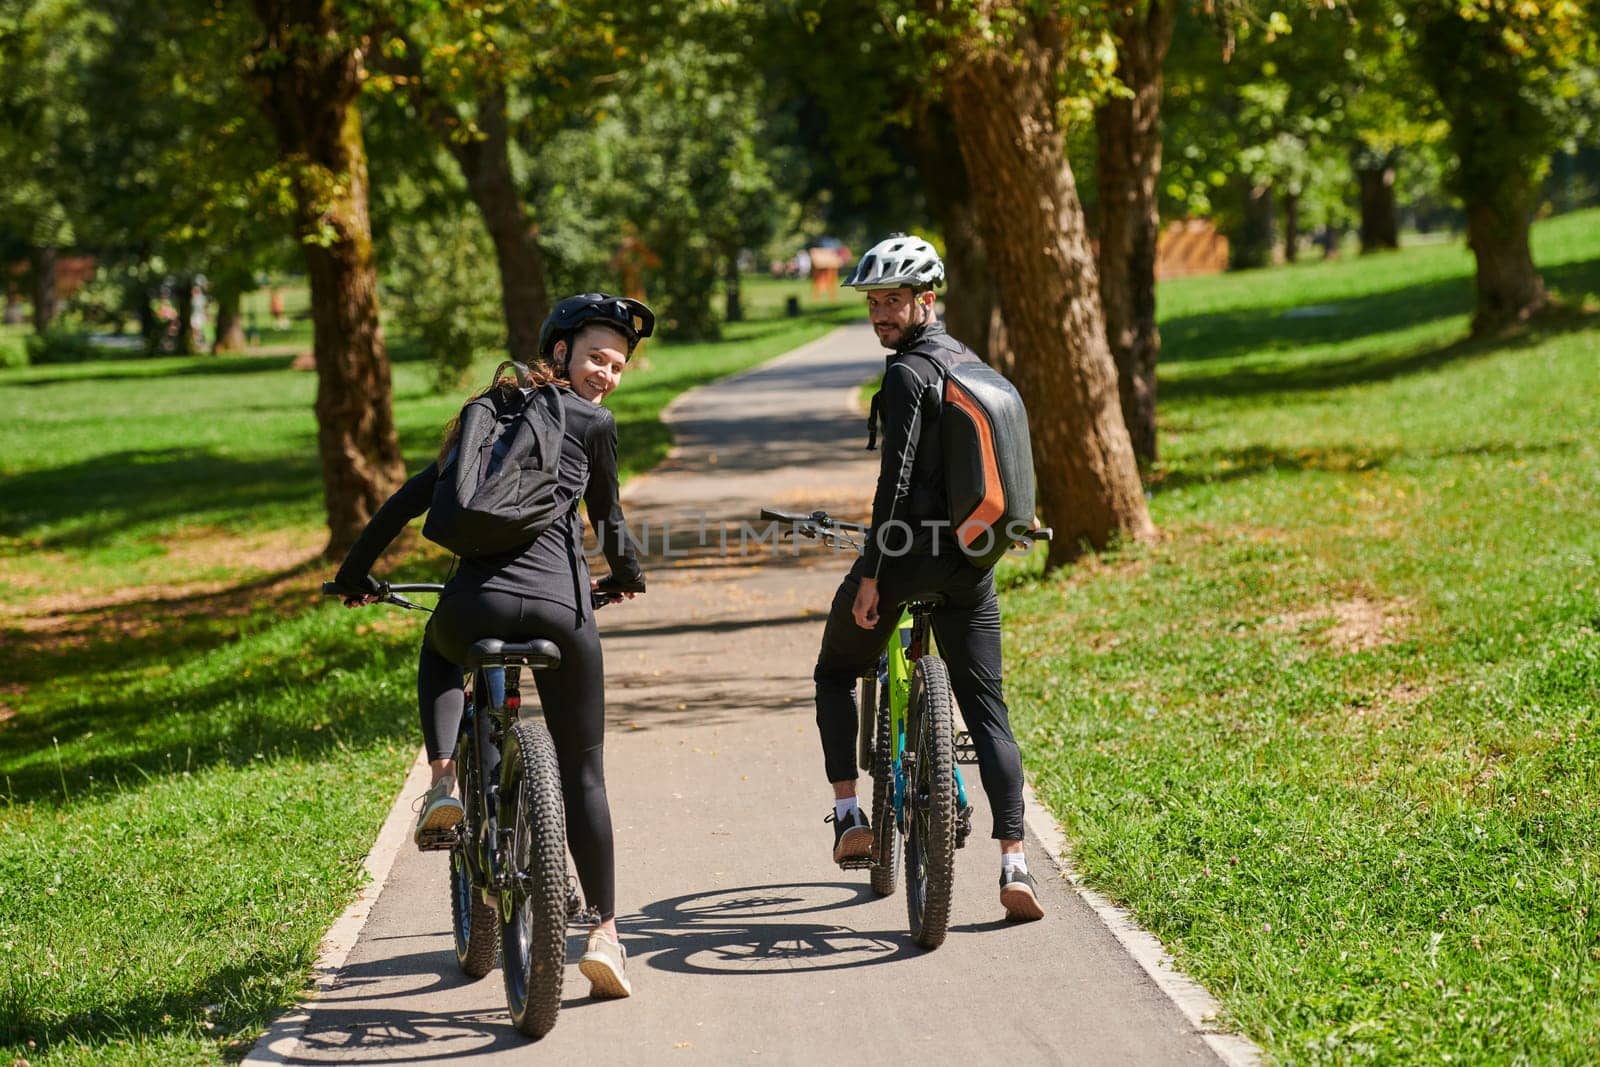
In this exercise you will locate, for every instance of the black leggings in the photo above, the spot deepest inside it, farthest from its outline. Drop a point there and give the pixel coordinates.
(573, 698)
(967, 629)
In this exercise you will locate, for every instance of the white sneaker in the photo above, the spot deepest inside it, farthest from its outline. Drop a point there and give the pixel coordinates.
(605, 964)
(440, 814)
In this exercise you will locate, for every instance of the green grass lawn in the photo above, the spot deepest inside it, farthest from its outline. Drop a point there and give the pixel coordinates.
(195, 749)
(1333, 737)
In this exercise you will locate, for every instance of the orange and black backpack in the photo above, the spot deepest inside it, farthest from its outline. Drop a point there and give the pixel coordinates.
(988, 458)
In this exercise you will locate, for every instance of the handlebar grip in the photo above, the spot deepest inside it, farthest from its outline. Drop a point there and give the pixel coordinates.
(774, 515)
(612, 586)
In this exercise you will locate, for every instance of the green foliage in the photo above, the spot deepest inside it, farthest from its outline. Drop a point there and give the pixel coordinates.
(1517, 81)
(44, 47)
(445, 294)
(61, 343)
(679, 161)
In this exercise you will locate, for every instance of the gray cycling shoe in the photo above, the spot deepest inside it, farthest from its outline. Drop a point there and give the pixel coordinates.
(440, 814)
(605, 964)
(852, 838)
(1019, 895)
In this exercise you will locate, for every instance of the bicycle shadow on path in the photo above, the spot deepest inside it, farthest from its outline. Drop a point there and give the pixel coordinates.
(750, 931)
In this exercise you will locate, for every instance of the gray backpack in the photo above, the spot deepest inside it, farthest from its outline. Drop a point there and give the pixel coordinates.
(498, 490)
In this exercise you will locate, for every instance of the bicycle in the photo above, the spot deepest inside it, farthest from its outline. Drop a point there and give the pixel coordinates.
(909, 745)
(510, 896)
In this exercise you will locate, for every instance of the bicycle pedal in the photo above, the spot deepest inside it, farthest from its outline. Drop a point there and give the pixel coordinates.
(856, 863)
(437, 840)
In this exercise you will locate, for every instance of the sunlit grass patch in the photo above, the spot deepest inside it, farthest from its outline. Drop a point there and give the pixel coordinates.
(1332, 738)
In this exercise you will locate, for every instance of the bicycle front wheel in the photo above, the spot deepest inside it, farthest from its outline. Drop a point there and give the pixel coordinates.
(533, 910)
(931, 804)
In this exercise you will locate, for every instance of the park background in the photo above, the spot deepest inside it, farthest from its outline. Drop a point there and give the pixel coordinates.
(1310, 681)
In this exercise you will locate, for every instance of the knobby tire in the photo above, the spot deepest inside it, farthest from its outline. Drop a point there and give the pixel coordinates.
(534, 926)
(931, 826)
(885, 862)
(473, 922)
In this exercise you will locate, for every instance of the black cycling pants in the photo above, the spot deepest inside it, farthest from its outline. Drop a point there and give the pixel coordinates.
(573, 698)
(967, 630)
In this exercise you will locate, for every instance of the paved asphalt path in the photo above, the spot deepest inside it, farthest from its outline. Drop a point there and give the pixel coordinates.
(746, 944)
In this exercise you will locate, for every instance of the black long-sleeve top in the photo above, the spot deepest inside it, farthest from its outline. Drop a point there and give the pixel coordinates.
(552, 567)
(911, 475)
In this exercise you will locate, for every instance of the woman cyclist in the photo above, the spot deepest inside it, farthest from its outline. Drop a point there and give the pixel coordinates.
(539, 590)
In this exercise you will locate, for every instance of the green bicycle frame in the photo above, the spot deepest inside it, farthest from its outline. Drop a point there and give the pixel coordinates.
(894, 677)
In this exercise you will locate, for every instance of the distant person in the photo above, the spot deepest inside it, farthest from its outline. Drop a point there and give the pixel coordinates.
(167, 317)
(898, 276)
(199, 319)
(275, 306)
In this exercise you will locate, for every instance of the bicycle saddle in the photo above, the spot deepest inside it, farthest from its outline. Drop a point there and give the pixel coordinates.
(540, 654)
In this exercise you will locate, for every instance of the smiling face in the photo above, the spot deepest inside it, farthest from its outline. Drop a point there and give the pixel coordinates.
(599, 356)
(895, 311)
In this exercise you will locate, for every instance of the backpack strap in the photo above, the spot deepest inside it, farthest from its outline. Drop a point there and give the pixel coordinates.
(523, 375)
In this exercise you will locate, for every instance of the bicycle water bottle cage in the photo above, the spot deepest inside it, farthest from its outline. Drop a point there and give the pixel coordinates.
(538, 654)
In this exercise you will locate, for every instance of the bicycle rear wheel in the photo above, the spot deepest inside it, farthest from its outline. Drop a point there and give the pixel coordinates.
(534, 906)
(886, 860)
(472, 921)
(931, 804)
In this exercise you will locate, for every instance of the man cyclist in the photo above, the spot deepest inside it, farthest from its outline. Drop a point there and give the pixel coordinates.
(922, 558)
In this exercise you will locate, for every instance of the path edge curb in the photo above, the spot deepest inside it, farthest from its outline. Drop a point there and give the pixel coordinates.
(1189, 996)
(282, 1040)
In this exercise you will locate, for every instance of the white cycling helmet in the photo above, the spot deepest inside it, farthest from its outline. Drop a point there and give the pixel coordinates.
(898, 260)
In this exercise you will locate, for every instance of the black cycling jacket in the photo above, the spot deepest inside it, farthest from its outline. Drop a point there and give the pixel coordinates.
(552, 567)
(911, 474)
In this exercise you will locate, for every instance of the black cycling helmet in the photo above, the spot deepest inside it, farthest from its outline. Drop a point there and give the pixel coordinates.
(631, 318)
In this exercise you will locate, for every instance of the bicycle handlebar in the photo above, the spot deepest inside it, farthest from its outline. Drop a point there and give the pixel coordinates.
(819, 524)
(390, 594)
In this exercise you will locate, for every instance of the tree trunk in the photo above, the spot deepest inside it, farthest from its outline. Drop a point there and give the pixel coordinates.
(971, 305)
(735, 305)
(44, 289)
(1128, 164)
(524, 287)
(310, 75)
(485, 162)
(1291, 227)
(1251, 245)
(230, 323)
(1380, 219)
(1509, 287)
(1033, 229)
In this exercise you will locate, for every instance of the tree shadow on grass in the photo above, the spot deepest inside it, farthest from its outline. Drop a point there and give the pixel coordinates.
(1236, 332)
(147, 729)
(131, 370)
(1378, 365)
(250, 1003)
(95, 498)
(1222, 467)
